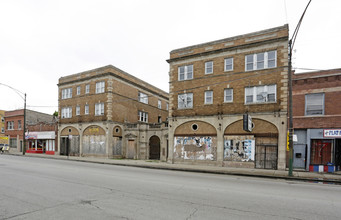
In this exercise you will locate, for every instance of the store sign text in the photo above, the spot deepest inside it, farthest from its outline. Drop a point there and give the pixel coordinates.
(332, 133)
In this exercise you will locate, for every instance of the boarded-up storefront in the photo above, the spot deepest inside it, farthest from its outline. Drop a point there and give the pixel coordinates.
(195, 140)
(256, 149)
(69, 141)
(117, 141)
(94, 141)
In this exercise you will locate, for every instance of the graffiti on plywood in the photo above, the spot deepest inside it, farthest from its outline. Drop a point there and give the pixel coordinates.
(239, 148)
(195, 148)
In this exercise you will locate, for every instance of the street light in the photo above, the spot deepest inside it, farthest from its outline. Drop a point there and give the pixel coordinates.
(23, 96)
(291, 46)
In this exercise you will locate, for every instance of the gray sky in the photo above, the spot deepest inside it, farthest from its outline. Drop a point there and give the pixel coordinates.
(43, 40)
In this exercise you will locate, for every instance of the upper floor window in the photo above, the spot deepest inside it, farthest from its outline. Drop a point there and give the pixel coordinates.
(100, 87)
(78, 90)
(143, 98)
(314, 104)
(143, 116)
(228, 64)
(228, 95)
(10, 125)
(66, 112)
(260, 61)
(260, 94)
(87, 89)
(19, 124)
(209, 67)
(67, 93)
(99, 108)
(2, 119)
(185, 100)
(167, 106)
(159, 104)
(86, 109)
(2, 130)
(78, 110)
(185, 72)
(208, 97)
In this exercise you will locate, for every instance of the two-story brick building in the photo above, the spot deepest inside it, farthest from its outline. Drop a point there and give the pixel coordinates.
(317, 120)
(212, 85)
(107, 112)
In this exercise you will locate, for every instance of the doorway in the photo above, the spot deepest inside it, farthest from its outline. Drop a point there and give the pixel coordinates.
(154, 148)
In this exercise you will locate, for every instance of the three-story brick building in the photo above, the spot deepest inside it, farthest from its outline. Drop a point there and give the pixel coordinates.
(212, 85)
(108, 112)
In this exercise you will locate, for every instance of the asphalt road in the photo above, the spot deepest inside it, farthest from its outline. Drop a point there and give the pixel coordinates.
(37, 188)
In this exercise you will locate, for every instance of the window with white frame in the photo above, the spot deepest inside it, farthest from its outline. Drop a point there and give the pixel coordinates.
(159, 104)
(143, 97)
(260, 61)
(100, 87)
(260, 94)
(87, 89)
(228, 95)
(10, 125)
(78, 110)
(185, 72)
(228, 64)
(86, 109)
(143, 116)
(208, 97)
(167, 106)
(99, 108)
(314, 104)
(209, 67)
(67, 93)
(67, 112)
(185, 100)
(78, 90)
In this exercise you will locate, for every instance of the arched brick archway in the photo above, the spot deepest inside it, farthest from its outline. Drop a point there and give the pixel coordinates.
(94, 141)
(154, 148)
(69, 141)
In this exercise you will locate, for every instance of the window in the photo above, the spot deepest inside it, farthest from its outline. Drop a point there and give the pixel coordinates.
(185, 72)
(87, 89)
(208, 97)
(209, 67)
(78, 110)
(100, 87)
(78, 90)
(2, 119)
(159, 104)
(19, 124)
(260, 94)
(167, 106)
(228, 95)
(2, 130)
(10, 125)
(228, 64)
(143, 98)
(86, 109)
(159, 119)
(67, 93)
(321, 151)
(185, 100)
(143, 116)
(314, 104)
(99, 108)
(67, 112)
(13, 143)
(260, 60)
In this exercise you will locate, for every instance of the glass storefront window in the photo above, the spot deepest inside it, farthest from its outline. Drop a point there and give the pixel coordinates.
(321, 152)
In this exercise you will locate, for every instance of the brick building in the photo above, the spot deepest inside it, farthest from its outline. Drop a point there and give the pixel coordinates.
(212, 85)
(40, 131)
(108, 112)
(317, 120)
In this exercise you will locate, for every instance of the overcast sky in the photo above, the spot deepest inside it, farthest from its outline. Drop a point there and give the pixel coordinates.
(43, 40)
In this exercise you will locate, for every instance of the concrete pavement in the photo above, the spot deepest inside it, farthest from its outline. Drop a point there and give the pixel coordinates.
(279, 174)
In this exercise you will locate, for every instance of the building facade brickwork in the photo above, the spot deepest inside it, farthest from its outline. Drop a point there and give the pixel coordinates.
(212, 85)
(108, 112)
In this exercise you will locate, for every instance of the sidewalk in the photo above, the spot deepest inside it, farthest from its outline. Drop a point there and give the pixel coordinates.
(277, 174)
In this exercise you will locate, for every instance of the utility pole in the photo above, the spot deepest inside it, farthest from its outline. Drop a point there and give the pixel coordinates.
(291, 46)
(24, 135)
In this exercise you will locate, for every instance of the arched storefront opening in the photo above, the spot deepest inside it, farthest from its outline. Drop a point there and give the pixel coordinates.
(154, 148)
(195, 140)
(69, 141)
(117, 142)
(258, 148)
(94, 141)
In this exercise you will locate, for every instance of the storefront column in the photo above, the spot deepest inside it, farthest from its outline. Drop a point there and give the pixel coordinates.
(220, 146)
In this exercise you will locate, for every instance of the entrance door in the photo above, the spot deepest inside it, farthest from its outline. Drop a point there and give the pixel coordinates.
(338, 153)
(299, 156)
(131, 149)
(266, 156)
(64, 141)
(154, 148)
(117, 146)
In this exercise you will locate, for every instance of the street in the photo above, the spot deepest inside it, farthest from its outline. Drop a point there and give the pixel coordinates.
(38, 188)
